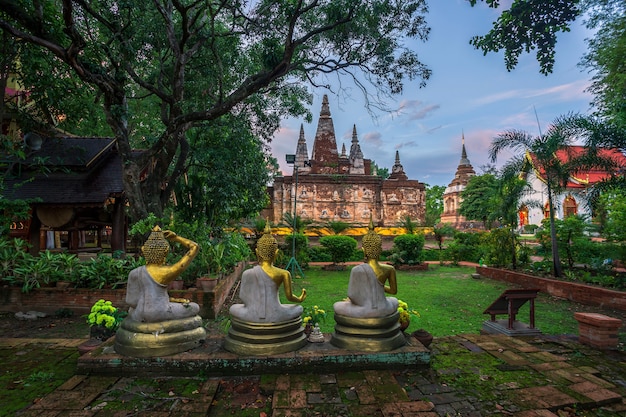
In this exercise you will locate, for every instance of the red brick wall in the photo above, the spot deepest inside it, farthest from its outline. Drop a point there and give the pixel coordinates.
(80, 300)
(584, 294)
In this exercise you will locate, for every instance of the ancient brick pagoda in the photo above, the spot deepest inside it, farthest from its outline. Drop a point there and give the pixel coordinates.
(452, 195)
(333, 186)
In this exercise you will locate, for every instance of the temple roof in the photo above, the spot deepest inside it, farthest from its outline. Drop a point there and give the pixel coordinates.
(584, 177)
(84, 171)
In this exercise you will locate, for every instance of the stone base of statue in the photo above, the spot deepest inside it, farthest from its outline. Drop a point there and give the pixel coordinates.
(374, 334)
(248, 338)
(145, 340)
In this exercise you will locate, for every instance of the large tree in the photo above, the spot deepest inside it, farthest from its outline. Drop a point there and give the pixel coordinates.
(185, 63)
(434, 204)
(606, 60)
(477, 199)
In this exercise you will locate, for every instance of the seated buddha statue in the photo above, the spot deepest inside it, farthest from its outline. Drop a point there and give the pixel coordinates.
(368, 319)
(262, 324)
(368, 284)
(156, 324)
(146, 292)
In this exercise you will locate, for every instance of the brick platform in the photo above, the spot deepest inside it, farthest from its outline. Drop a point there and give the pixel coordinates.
(598, 330)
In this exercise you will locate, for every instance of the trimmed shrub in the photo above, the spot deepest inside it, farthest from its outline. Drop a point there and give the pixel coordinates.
(408, 250)
(340, 248)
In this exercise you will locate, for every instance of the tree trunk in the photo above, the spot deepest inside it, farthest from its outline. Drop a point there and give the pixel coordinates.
(556, 261)
(513, 249)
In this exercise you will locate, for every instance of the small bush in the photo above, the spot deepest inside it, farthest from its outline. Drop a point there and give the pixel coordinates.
(341, 248)
(301, 246)
(408, 250)
(319, 254)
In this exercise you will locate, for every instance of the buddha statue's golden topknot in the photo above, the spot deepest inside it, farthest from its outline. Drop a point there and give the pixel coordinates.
(156, 248)
(267, 245)
(372, 243)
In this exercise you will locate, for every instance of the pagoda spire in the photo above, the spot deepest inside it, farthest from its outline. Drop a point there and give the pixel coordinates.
(397, 171)
(325, 158)
(464, 159)
(302, 154)
(357, 165)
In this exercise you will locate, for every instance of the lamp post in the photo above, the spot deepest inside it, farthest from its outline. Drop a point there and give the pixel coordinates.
(293, 262)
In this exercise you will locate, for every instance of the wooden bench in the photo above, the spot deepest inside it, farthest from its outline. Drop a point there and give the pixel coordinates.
(510, 302)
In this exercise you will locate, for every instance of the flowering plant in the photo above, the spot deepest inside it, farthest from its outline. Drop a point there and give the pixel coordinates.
(104, 314)
(405, 312)
(313, 315)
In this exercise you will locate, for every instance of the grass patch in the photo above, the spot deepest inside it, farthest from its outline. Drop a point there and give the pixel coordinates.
(448, 299)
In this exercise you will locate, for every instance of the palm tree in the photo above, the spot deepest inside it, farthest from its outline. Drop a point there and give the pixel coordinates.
(563, 133)
(505, 202)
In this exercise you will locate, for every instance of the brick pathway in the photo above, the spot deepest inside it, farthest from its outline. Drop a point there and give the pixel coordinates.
(470, 375)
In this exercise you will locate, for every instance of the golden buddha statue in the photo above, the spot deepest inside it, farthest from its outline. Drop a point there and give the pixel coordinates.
(372, 245)
(262, 324)
(368, 319)
(157, 325)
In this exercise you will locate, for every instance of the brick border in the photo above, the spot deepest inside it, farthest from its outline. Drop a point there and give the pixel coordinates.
(580, 293)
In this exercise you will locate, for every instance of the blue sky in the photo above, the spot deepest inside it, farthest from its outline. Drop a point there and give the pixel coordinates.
(468, 94)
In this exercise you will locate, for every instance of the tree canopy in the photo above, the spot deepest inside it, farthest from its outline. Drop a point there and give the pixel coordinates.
(434, 204)
(478, 197)
(160, 68)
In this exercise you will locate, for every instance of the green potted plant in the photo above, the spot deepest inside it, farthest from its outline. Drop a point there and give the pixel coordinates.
(311, 316)
(104, 320)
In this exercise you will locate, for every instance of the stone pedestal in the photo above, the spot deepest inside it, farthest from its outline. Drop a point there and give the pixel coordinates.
(144, 340)
(376, 334)
(248, 338)
(598, 330)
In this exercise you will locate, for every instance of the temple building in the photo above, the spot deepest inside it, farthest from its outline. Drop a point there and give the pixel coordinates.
(452, 195)
(572, 200)
(333, 186)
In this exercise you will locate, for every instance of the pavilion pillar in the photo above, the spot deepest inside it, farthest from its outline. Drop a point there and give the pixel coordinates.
(118, 238)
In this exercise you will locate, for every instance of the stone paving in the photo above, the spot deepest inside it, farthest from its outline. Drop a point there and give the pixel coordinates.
(470, 375)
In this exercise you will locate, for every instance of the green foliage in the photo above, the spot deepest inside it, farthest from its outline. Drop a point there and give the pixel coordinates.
(226, 179)
(434, 204)
(104, 314)
(464, 247)
(408, 224)
(341, 248)
(381, 172)
(18, 267)
(477, 198)
(296, 223)
(605, 58)
(495, 246)
(337, 226)
(525, 26)
(301, 249)
(313, 315)
(319, 254)
(440, 232)
(408, 249)
(613, 203)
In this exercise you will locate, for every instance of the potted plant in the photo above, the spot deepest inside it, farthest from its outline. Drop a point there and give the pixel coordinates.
(104, 320)
(405, 315)
(312, 316)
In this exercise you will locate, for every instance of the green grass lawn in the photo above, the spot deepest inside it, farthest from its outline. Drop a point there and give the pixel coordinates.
(448, 299)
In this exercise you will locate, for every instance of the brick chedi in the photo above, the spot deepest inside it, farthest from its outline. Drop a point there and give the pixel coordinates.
(333, 186)
(452, 195)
